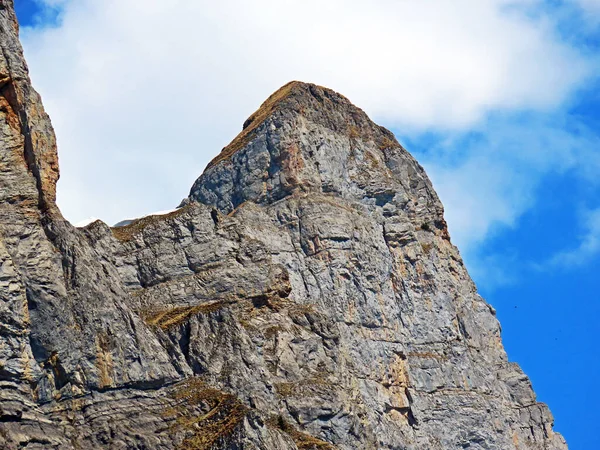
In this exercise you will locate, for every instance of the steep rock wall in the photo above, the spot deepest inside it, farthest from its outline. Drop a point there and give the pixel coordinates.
(305, 295)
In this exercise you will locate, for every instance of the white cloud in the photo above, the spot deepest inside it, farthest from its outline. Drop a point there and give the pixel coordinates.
(480, 195)
(143, 93)
(489, 177)
(588, 247)
(591, 7)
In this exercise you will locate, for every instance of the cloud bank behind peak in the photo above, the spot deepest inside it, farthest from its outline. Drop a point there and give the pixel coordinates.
(150, 90)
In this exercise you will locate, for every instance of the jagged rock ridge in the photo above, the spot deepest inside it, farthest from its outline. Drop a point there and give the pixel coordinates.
(306, 296)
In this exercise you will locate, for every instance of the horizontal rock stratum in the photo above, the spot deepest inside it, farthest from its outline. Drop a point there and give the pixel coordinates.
(306, 295)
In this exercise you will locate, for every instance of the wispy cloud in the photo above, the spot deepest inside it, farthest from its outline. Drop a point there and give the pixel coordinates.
(488, 177)
(588, 247)
(41, 13)
(592, 7)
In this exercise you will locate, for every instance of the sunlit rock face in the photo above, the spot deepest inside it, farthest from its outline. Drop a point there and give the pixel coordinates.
(306, 295)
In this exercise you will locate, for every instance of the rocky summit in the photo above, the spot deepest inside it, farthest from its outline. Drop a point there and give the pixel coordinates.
(305, 295)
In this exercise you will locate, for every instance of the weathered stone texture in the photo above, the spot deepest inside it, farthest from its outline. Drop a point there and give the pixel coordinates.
(305, 296)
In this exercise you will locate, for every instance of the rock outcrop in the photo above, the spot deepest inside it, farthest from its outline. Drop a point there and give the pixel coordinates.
(306, 295)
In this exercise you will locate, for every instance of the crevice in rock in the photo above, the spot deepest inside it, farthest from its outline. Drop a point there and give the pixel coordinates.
(214, 215)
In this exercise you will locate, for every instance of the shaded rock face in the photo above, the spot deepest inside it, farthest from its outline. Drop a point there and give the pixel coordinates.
(305, 296)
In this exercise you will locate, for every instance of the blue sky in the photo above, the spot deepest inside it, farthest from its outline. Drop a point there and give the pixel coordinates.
(26, 11)
(498, 99)
(36, 13)
(548, 311)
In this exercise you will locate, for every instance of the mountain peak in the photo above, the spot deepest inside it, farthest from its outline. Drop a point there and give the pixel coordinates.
(308, 138)
(294, 96)
(328, 310)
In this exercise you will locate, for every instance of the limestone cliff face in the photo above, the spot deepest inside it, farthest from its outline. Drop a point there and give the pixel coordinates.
(305, 296)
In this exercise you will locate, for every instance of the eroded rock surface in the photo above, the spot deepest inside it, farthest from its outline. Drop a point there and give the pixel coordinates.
(305, 296)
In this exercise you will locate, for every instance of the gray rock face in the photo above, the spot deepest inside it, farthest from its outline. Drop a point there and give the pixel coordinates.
(306, 296)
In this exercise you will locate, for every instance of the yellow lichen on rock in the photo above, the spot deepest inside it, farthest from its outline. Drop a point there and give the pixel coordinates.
(104, 362)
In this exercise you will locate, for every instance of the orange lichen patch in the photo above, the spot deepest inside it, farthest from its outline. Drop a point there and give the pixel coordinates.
(35, 147)
(169, 318)
(209, 416)
(127, 232)
(27, 362)
(10, 116)
(292, 165)
(397, 373)
(303, 441)
(253, 122)
(104, 362)
(515, 439)
(428, 303)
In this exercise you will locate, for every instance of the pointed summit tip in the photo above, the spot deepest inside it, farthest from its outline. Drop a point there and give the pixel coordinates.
(309, 139)
(295, 96)
(300, 92)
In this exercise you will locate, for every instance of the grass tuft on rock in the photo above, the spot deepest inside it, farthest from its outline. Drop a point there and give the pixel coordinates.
(170, 318)
(302, 440)
(206, 415)
(127, 232)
